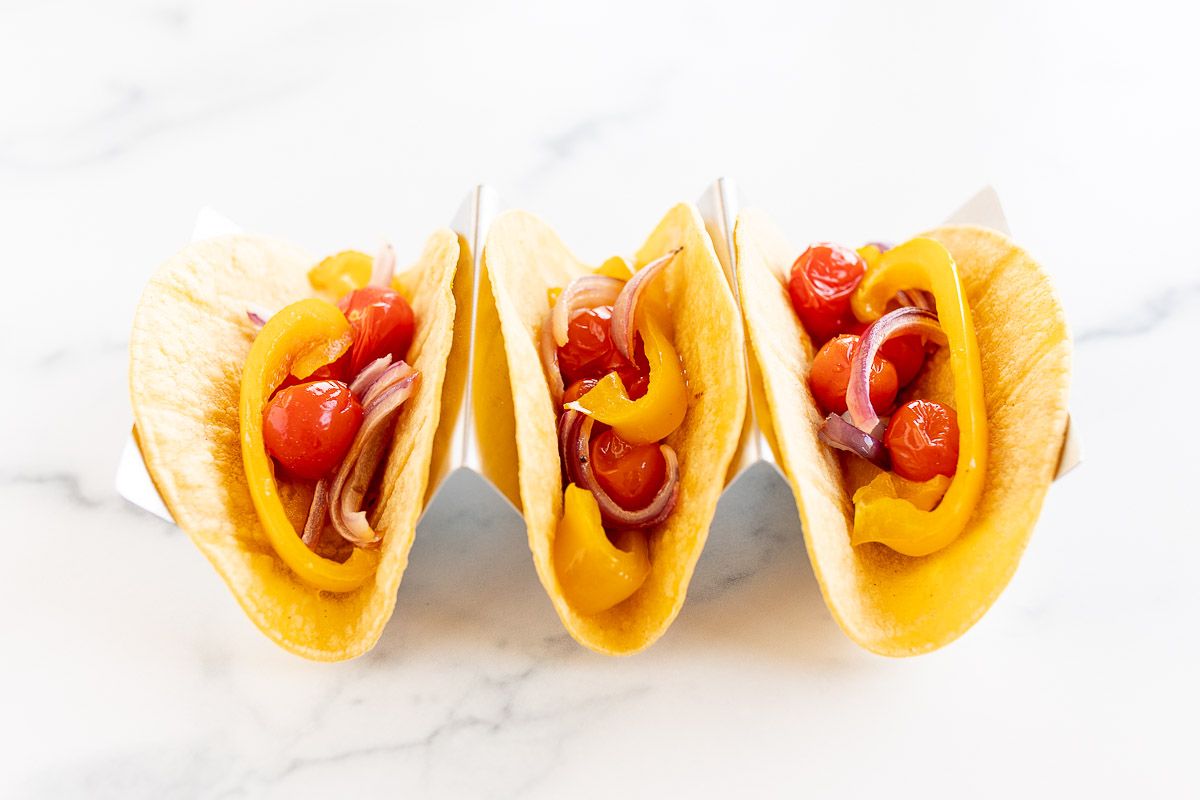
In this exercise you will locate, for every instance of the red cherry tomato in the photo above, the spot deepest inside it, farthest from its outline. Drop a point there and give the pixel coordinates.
(635, 376)
(589, 346)
(922, 439)
(381, 322)
(590, 353)
(578, 389)
(907, 353)
(822, 281)
(830, 375)
(308, 428)
(337, 371)
(631, 473)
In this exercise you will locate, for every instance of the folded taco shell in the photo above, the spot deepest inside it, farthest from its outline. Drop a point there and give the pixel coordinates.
(889, 603)
(524, 259)
(189, 342)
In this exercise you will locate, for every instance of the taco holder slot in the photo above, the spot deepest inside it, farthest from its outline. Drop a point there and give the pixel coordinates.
(462, 447)
(718, 208)
(468, 453)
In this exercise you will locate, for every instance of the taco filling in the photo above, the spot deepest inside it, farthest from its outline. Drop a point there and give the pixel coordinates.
(628, 392)
(917, 398)
(321, 388)
(878, 314)
(267, 393)
(620, 389)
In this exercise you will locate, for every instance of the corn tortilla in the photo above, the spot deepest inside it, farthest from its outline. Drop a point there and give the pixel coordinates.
(189, 341)
(524, 259)
(889, 603)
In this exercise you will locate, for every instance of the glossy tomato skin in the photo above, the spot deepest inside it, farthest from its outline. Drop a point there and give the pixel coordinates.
(381, 322)
(309, 427)
(578, 389)
(830, 375)
(635, 376)
(337, 371)
(589, 348)
(922, 440)
(590, 353)
(907, 353)
(632, 474)
(821, 283)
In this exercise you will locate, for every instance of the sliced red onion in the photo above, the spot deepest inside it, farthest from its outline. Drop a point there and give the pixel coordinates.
(625, 306)
(360, 530)
(369, 374)
(569, 423)
(353, 477)
(837, 432)
(258, 315)
(315, 522)
(383, 267)
(882, 247)
(914, 297)
(901, 322)
(549, 354)
(388, 378)
(574, 437)
(587, 291)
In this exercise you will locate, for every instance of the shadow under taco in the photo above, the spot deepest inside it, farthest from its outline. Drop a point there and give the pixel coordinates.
(916, 398)
(285, 408)
(629, 392)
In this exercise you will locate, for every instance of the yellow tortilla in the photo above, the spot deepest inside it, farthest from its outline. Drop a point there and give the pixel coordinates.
(524, 259)
(889, 603)
(190, 339)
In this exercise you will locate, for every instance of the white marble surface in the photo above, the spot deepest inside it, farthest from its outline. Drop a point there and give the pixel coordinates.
(128, 670)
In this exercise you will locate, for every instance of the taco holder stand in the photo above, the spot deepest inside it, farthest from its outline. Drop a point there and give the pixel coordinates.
(465, 460)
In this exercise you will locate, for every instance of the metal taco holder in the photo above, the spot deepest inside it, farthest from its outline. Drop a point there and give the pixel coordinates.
(462, 453)
(471, 447)
(719, 206)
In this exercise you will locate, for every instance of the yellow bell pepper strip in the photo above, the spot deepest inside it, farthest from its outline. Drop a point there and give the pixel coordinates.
(870, 254)
(880, 514)
(341, 273)
(615, 267)
(655, 415)
(924, 495)
(299, 339)
(596, 573)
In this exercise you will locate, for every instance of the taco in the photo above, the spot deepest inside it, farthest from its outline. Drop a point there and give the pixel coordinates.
(917, 400)
(629, 391)
(285, 409)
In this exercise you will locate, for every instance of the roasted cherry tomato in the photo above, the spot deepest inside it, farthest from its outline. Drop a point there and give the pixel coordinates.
(578, 389)
(381, 321)
(337, 371)
(589, 344)
(308, 428)
(822, 281)
(635, 376)
(907, 353)
(590, 353)
(922, 439)
(830, 375)
(589, 350)
(631, 473)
